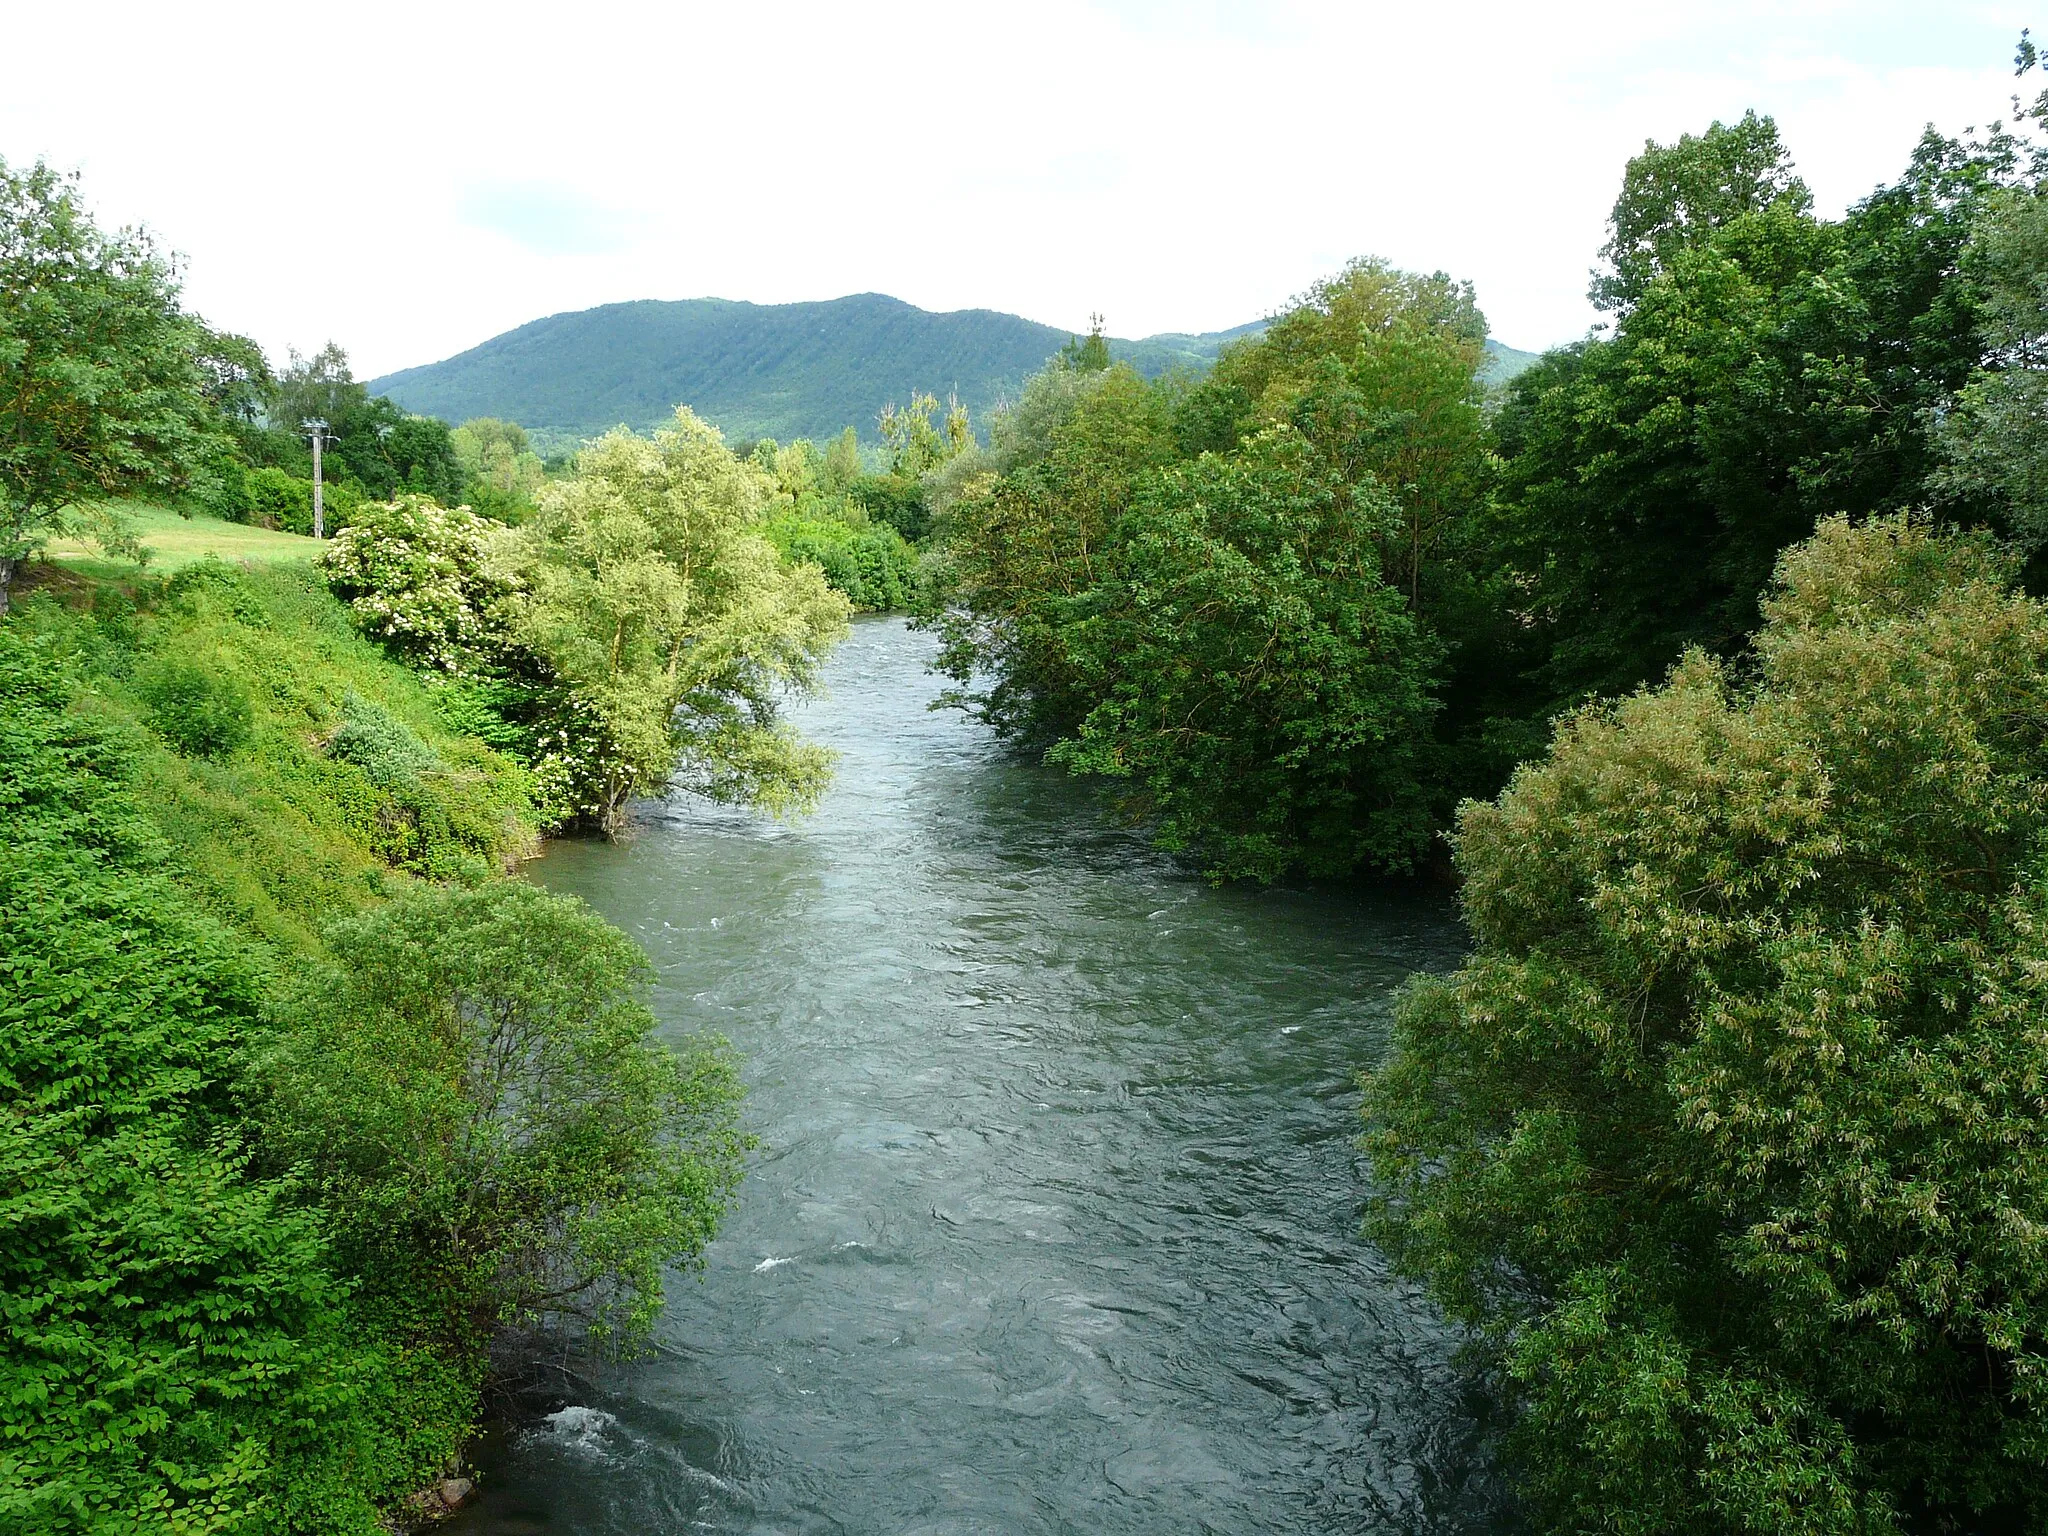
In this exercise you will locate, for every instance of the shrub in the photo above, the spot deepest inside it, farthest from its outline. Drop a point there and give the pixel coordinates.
(869, 563)
(418, 577)
(895, 500)
(1731, 1133)
(474, 1090)
(283, 501)
(280, 500)
(383, 746)
(198, 713)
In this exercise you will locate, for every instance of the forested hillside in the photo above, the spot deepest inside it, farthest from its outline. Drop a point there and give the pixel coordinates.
(760, 370)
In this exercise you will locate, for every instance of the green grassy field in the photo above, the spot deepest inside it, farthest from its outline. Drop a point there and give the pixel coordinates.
(174, 541)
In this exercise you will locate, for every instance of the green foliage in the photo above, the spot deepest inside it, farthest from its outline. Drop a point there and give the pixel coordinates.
(273, 498)
(179, 1352)
(894, 501)
(1232, 597)
(383, 746)
(1674, 197)
(646, 588)
(637, 625)
(198, 714)
(867, 562)
(502, 472)
(279, 500)
(284, 834)
(419, 577)
(375, 444)
(1765, 370)
(1729, 1135)
(99, 379)
(473, 1089)
(915, 444)
(1239, 633)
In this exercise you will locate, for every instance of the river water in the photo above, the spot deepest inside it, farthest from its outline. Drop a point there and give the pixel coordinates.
(1054, 1225)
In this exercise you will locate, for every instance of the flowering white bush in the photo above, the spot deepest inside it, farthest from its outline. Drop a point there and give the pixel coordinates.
(419, 577)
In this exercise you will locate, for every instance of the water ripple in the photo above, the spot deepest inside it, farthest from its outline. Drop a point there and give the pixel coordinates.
(1055, 1225)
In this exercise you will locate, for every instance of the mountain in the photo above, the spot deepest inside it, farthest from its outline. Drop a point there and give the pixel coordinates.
(755, 370)
(1504, 362)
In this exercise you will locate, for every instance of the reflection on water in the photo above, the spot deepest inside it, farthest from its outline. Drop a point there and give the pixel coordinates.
(1055, 1223)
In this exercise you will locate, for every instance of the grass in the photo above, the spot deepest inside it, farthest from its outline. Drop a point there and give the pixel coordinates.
(281, 832)
(175, 541)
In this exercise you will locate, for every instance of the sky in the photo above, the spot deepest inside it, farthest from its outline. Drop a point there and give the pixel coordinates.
(409, 179)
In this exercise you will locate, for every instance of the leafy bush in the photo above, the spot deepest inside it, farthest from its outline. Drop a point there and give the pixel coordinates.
(418, 576)
(199, 714)
(383, 746)
(280, 500)
(1731, 1134)
(869, 563)
(897, 501)
(285, 502)
(474, 1091)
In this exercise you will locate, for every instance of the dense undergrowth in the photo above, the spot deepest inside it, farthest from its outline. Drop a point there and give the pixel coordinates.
(182, 1355)
(307, 1102)
(341, 774)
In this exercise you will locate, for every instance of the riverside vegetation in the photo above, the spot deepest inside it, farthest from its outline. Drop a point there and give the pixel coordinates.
(1710, 643)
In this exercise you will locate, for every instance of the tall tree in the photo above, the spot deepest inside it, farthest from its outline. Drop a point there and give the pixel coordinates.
(1675, 196)
(1765, 369)
(100, 386)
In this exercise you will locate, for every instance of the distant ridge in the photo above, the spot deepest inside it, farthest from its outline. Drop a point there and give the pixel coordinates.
(759, 370)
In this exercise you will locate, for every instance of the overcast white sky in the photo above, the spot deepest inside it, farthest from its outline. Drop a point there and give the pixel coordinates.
(412, 178)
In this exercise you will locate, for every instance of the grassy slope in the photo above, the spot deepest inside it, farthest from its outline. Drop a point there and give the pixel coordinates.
(175, 541)
(279, 836)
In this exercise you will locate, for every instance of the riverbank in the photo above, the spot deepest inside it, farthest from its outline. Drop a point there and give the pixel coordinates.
(205, 769)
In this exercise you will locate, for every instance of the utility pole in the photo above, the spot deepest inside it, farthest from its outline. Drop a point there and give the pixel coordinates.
(317, 431)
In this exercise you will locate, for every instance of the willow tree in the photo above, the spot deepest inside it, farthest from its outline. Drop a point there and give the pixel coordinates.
(674, 628)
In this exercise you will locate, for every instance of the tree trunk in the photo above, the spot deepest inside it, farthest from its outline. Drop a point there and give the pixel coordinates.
(8, 566)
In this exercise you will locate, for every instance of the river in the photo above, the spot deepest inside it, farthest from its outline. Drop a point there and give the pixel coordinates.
(1055, 1223)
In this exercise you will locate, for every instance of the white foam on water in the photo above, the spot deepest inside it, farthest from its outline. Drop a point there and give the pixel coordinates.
(771, 1263)
(581, 1430)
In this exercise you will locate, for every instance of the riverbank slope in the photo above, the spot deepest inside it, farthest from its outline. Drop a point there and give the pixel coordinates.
(198, 773)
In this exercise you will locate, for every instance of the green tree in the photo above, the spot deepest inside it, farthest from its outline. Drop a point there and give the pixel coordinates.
(100, 386)
(382, 448)
(1729, 1136)
(1675, 196)
(1766, 369)
(1233, 595)
(916, 443)
(647, 587)
(501, 471)
(1025, 546)
(842, 461)
(473, 1089)
(1380, 370)
(1261, 690)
